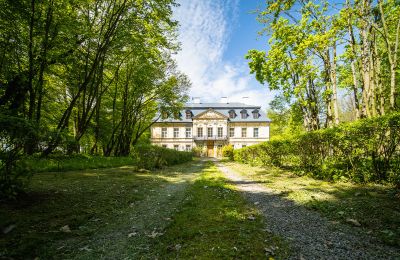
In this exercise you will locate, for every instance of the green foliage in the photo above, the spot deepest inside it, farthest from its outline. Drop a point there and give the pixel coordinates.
(363, 151)
(61, 163)
(227, 151)
(151, 156)
(15, 132)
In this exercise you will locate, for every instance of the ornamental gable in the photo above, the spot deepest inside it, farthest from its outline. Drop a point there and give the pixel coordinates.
(210, 114)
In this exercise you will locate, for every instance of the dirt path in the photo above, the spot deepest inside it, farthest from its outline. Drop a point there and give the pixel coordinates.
(130, 235)
(310, 235)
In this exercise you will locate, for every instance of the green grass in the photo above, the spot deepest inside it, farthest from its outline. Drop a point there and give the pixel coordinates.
(375, 207)
(205, 219)
(84, 200)
(73, 163)
(216, 222)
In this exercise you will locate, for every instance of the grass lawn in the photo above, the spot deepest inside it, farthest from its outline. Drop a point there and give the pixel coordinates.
(120, 213)
(215, 222)
(84, 201)
(375, 207)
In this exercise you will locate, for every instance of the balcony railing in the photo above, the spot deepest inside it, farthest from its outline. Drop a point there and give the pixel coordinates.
(214, 137)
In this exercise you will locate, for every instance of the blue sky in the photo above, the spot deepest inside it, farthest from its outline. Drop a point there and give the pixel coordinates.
(215, 36)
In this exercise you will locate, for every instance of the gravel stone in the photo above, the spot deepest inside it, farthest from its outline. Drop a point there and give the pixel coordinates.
(310, 235)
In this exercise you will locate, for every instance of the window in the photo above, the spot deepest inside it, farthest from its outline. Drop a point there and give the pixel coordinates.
(188, 148)
(176, 132)
(177, 115)
(188, 132)
(220, 130)
(200, 132)
(243, 145)
(244, 132)
(219, 146)
(176, 147)
(209, 132)
(256, 114)
(243, 113)
(232, 114)
(255, 132)
(188, 114)
(164, 115)
(164, 132)
(164, 145)
(231, 132)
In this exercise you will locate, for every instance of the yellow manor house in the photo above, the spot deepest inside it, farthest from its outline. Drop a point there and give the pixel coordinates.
(210, 126)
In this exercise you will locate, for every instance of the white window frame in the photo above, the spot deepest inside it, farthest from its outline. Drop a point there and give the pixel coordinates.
(188, 148)
(199, 131)
(244, 132)
(232, 132)
(188, 132)
(164, 132)
(255, 132)
(176, 132)
(209, 133)
(220, 131)
(176, 147)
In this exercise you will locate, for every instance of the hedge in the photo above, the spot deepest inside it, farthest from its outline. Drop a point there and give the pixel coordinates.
(367, 150)
(150, 157)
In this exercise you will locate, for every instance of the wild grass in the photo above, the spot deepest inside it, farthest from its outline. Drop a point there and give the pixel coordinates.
(375, 207)
(86, 201)
(215, 222)
(61, 163)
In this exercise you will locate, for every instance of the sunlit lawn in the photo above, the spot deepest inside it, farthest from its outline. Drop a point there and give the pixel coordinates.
(216, 223)
(80, 214)
(375, 207)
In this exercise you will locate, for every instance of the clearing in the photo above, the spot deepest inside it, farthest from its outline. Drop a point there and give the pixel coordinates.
(201, 209)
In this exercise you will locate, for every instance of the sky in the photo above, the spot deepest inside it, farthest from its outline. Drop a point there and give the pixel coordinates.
(215, 36)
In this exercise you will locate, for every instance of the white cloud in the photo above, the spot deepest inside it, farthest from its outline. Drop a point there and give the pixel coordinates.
(205, 31)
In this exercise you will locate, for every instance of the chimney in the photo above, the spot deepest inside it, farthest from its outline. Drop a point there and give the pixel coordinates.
(224, 100)
(196, 100)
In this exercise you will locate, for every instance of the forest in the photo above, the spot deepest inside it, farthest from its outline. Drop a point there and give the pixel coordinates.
(84, 76)
(335, 66)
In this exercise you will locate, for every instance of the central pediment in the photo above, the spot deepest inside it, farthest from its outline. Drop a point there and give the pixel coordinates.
(210, 114)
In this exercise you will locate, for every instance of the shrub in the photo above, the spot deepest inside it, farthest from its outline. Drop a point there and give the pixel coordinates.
(15, 134)
(364, 151)
(150, 156)
(227, 151)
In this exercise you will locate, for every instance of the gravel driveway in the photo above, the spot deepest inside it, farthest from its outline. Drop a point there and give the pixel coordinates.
(310, 235)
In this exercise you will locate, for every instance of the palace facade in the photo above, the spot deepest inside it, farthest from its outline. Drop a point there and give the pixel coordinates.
(210, 126)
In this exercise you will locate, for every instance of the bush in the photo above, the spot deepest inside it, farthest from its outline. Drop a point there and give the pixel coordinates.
(227, 151)
(150, 156)
(15, 134)
(364, 151)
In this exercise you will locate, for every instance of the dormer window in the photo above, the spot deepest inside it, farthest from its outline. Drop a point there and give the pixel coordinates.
(188, 114)
(164, 115)
(177, 115)
(256, 114)
(232, 113)
(243, 114)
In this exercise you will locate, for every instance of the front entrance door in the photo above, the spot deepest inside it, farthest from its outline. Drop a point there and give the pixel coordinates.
(210, 149)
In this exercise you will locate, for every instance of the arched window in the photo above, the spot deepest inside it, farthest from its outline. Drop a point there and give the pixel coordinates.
(243, 114)
(177, 115)
(188, 114)
(232, 113)
(164, 115)
(256, 114)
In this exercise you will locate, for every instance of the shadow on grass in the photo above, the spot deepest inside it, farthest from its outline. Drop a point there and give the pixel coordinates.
(86, 201)
(375, 207)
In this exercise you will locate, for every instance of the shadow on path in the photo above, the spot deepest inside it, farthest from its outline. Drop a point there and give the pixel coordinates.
(310, 235)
